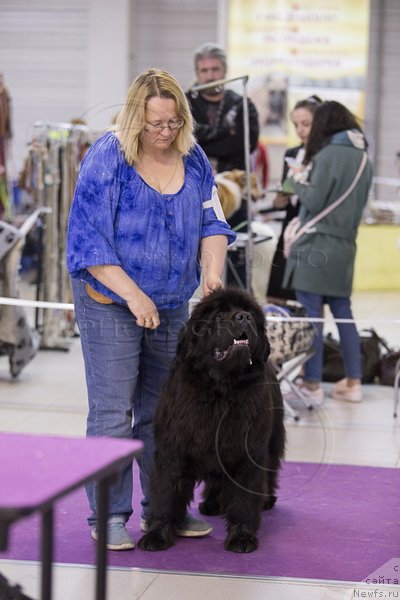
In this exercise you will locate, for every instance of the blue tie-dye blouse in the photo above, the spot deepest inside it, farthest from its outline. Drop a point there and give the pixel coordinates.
(118, 219)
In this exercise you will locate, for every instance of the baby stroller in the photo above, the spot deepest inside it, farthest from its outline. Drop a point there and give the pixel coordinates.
(291, 338)
(18, 340)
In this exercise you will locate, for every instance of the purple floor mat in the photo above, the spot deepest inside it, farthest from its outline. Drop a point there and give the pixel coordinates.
(331, 522)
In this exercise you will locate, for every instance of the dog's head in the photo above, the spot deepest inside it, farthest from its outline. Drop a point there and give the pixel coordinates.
(225, 337)
(239, 177)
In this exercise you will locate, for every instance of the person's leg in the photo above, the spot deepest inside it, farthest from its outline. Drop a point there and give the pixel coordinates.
(348, 388)
(159, 346)
(349, 338)
(111, 345)
(313, 368)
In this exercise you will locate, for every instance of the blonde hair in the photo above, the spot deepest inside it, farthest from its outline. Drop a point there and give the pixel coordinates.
(132, 118)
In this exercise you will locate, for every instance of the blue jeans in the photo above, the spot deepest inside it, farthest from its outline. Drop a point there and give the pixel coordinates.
(126, 367)
(349, 339)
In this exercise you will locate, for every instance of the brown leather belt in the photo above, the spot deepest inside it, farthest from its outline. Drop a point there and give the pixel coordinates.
(97, 296)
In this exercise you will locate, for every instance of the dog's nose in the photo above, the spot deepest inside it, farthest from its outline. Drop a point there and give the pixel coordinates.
(243, 317)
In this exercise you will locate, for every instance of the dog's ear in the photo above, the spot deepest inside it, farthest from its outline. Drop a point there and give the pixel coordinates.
(189, 336)
(183, 347)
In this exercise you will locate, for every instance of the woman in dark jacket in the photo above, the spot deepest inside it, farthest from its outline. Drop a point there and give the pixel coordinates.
(320, 265)
(302, 118)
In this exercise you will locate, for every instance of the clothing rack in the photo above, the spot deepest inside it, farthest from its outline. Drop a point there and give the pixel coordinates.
(50, 172)
(246, 135)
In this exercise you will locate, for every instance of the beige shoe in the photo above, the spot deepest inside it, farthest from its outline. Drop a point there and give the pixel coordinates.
(191, 527)
(343, 391)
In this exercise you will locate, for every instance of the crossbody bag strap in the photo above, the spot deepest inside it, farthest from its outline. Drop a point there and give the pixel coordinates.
(306, 227)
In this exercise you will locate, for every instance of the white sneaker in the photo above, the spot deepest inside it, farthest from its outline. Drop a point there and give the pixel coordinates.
(118, 537)
(316, 396)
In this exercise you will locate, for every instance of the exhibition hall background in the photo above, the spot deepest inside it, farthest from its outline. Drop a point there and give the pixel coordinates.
(64, 59)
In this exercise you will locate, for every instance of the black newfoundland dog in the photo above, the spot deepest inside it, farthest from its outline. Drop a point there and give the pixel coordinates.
(220, 421)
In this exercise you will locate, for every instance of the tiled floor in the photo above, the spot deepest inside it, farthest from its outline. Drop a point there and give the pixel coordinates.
(49, 397)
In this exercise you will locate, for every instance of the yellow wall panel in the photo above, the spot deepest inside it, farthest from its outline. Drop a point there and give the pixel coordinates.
(378, 258)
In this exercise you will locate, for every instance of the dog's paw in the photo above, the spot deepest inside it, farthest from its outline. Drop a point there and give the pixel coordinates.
(270, 502)
(209, 508)
(241, 540)
(156, 540)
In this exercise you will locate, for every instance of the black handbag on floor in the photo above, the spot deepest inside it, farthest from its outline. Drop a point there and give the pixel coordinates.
(389, 364)
(388, 367)
(333, 368)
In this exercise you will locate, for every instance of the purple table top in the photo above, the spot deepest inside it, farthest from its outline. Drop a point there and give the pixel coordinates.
(36, 470)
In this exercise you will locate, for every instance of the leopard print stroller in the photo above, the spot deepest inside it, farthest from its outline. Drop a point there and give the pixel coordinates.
(291, 338)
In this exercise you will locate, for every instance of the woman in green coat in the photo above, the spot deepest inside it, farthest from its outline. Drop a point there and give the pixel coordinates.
(320, 265)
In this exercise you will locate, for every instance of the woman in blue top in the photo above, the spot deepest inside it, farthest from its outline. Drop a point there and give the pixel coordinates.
(145, 223)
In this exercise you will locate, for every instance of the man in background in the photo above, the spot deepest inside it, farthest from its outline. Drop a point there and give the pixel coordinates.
(218, 112)
(219, 129)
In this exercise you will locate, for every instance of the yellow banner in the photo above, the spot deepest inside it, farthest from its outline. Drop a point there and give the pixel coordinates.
(314, 44)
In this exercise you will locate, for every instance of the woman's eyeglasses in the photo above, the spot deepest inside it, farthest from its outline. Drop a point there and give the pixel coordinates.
(171, 125)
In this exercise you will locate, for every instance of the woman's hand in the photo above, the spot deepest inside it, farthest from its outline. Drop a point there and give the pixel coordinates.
(210, 283)
(144, 310)
(141, 306)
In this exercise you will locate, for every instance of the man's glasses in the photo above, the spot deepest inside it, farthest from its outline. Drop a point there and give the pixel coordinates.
(172, 126)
